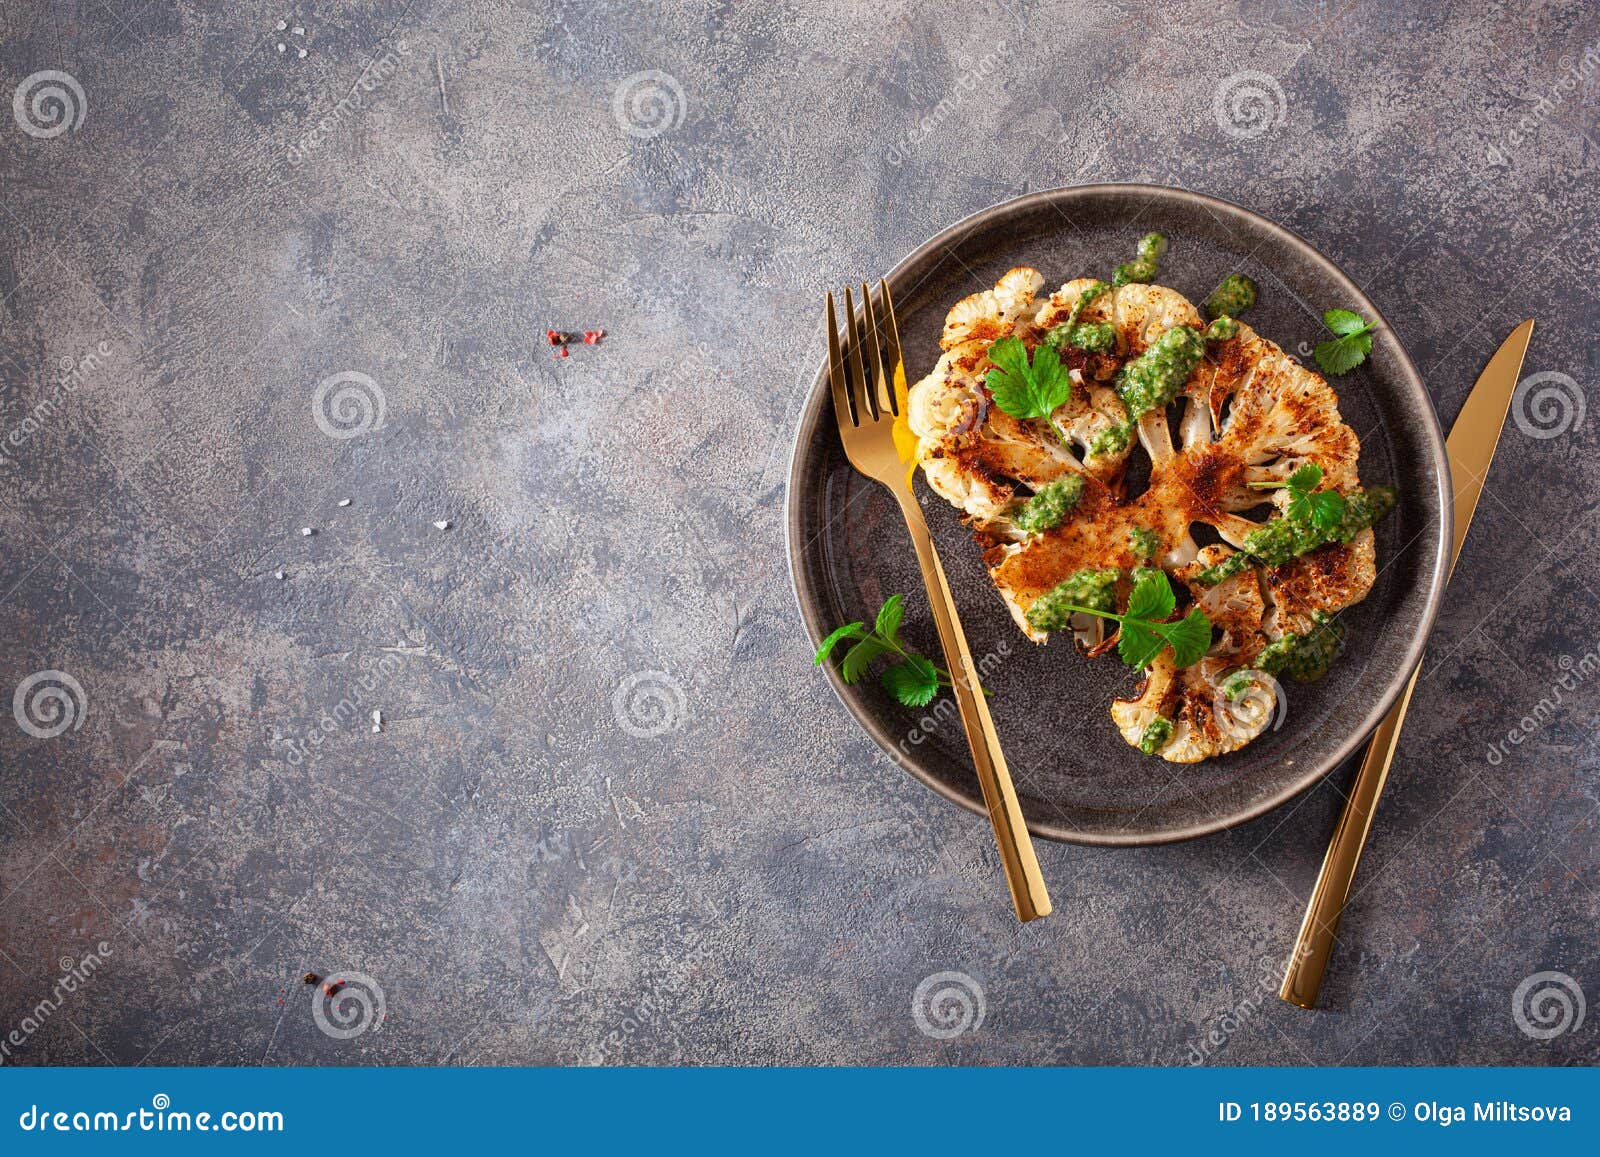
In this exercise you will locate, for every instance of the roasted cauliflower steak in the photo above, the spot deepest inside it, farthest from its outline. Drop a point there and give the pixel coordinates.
(1248, 413)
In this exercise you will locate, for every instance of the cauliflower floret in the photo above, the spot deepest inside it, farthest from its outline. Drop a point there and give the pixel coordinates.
(1249, 414)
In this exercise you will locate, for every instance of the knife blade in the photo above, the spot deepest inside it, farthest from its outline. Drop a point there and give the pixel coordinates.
(1476, 434)
(1470, 446)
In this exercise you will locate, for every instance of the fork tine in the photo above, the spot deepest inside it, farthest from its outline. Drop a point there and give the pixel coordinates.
(882, 389)
(892, 337)
(844, 407)
(861, 388)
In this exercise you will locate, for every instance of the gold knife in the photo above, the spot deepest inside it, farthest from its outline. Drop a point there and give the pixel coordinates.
(1471, 447)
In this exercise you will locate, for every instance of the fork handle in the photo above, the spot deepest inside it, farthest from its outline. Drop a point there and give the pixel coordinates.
(1010, 828)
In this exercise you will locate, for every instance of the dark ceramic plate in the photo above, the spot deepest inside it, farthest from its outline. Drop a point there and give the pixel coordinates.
(1076, 778)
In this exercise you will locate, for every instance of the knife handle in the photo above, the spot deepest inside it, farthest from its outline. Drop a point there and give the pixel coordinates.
(1302, 981)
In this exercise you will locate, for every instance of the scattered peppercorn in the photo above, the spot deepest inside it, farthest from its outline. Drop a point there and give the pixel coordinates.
(555, 337)
(330, 989)
(311, 978)
(593, 336)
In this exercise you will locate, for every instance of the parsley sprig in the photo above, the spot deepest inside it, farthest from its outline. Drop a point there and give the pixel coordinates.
(1028, 391)
(1344, 353)
(1324, 509)
(1145, 634)
(910, 678)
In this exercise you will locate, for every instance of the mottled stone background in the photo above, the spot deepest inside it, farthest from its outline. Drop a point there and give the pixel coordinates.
(612, 814)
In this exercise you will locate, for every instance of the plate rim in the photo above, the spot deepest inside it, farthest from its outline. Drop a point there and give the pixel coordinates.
(818, 398)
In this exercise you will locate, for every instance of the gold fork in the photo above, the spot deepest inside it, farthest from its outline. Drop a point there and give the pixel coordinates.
(865, 408)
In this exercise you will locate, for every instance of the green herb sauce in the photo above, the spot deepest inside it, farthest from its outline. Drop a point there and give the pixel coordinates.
(1049, 505)
(1097, 337)
(1156, 735)
(1143, 267)
(1286, 538)
(1239, 682)
(1304, 658)
(1112, 440)
(1153, 379)
(1144, 542)
(1094, 588)
(1236, 294)
(1223, 329)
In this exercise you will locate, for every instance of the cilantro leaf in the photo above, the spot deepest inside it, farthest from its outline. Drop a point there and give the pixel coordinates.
(1189, 639)
(1323, 509)
(1326, 509)
(1151, 597)
(859, 657)
(1023, 390)
(1306, 477)
(848, 631)
(1344, 353)
(914, 683)
(1137, 644)
(910, 678)
(1143, 635)
(1344, 322)
(889, 616)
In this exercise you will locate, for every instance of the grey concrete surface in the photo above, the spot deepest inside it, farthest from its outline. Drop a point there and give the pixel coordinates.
(612, 815)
